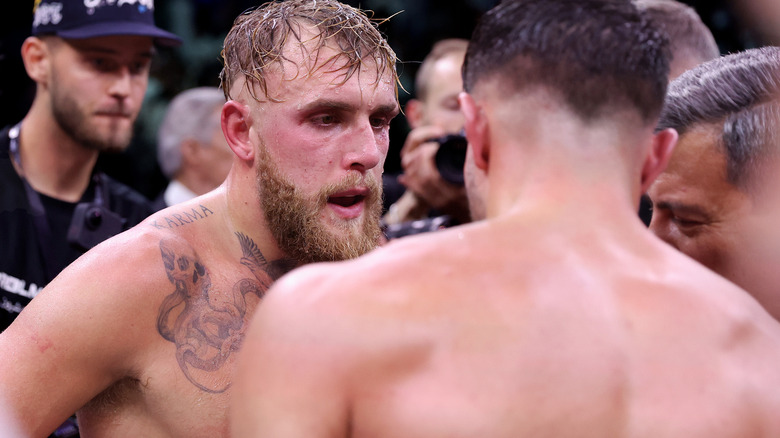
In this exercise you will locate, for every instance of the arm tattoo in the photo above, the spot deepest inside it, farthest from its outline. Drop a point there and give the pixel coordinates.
(207, 326)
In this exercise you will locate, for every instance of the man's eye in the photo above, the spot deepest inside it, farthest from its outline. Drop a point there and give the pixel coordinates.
(380, 122)
(104, 64)
(139, 67)
(685, 223)
(325, 119)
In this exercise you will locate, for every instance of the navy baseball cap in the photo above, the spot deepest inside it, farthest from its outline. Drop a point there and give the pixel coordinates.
(77, 19)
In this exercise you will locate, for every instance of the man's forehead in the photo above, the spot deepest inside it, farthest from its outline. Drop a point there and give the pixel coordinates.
(327, 71)
(696, 175)
(134, 44)
(699, 145)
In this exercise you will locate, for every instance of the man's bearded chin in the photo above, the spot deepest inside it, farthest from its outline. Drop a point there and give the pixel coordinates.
(76, 124)
(295, 221)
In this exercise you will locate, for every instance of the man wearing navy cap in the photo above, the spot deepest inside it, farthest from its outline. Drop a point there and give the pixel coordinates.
(90, 62)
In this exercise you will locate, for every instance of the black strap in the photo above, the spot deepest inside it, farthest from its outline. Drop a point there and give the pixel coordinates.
(39, 217)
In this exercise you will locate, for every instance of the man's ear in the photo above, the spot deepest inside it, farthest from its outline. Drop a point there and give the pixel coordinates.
(476, 130)
(36, 55)
(235, 126)
(658, 157)
(414, 111)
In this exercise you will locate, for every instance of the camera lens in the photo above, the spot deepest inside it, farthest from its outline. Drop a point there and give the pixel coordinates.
(93, 218)
(451, 157)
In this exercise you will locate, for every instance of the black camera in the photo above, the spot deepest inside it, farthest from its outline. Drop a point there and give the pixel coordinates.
(93, 223)
(451, 157)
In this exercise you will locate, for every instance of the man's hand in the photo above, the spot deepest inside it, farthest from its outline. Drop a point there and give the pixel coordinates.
(422, 177)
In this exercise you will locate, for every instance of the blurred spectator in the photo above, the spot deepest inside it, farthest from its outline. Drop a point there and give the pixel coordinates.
(191, 149)
(432, 115)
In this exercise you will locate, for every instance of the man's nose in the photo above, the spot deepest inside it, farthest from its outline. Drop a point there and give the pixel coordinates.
(122, 83)
(366, 151)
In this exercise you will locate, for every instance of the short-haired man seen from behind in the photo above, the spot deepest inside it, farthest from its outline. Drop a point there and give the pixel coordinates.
(718, 200)
(311, 90)
(191, 148)
(433, 114)
(558, 315)
(91, 67)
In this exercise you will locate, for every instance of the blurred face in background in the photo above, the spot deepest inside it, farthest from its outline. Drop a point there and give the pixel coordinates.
(439, 106)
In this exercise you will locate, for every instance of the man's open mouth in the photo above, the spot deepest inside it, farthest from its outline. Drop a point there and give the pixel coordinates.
(346, 201)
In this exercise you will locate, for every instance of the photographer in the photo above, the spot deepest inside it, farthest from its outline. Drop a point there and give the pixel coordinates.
(432, 192)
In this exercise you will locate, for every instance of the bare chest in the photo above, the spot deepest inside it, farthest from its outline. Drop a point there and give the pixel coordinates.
(155, 408)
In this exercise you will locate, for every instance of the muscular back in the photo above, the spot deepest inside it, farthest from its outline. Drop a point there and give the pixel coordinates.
(492, 330)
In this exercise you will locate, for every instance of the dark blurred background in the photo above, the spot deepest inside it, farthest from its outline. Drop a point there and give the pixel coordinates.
(203, 24)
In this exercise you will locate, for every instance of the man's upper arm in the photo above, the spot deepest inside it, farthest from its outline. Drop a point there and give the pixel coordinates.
(71, 342)
(291, 374)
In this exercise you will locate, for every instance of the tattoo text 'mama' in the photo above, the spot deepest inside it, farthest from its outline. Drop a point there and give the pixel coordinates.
(183, 218)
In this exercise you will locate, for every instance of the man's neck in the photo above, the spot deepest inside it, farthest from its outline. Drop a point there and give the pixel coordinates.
(245, 214)
(53, 163)
(586, 185)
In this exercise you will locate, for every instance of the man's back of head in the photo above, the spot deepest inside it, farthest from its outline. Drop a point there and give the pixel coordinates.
(569, 75)
(598, 57)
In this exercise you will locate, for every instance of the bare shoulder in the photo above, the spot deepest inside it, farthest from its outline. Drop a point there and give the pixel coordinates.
(115, 282)
(391, 271)
(673, 286)
(104, 319)
(364, 301)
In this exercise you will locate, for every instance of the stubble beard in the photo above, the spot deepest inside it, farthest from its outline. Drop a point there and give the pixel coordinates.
(295, 221)
(75, 123)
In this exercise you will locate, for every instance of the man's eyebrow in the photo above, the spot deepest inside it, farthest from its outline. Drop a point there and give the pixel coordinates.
(680, 207)
(328, 104)
(388, 109)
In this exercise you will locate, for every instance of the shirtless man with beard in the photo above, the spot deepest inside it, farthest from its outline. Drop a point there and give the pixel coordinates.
(140, 334)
